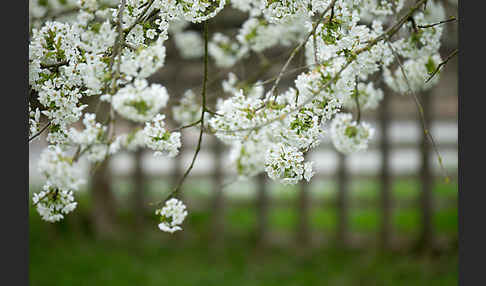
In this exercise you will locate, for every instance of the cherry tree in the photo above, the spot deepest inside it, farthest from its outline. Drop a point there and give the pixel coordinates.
(105, 50)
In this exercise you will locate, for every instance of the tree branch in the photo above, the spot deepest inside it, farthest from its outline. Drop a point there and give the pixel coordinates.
(297, 49)
(356, 98)
(55, 65)
(40, 132)
(421, 112)
(452, 19)
(450, 56)
(385, 36)
(201, 121)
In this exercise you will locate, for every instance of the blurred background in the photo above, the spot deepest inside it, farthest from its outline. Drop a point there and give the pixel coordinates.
(386, 216)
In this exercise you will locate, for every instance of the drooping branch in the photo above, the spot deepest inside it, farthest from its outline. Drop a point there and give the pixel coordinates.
(201, 120)
(420, 110)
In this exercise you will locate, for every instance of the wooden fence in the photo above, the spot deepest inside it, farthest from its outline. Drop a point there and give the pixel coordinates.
(436, 107)
(342, 175)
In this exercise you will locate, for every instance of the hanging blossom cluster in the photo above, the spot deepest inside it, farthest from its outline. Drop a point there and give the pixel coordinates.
(85, 51)
(52, 205)
(171, 215)
(62, 178)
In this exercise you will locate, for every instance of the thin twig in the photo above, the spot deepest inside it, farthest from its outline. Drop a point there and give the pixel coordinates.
(450, 56)
(314, 43)
(393, 29)
(452, 19)
(40, 132)
(212, 112)
(201, 121)
(297, 49)
(139, 18)
(356, 98)
(186, 126)
(41, 198)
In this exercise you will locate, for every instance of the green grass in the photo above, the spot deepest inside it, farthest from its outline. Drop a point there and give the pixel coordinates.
(67, 253)
(81, 261)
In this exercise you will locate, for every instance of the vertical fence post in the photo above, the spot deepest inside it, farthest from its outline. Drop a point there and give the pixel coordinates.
(217, 201)
(262, 210)
(342, 200)
(103, 212)
(303, 229)
(426, 177)
(385, 178)
(138, 188)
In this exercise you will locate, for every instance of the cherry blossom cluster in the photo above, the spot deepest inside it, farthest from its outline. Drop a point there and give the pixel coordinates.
(286, 164)
(140, 102)
(52, 205)
(161, 140)
(91, 139)
(341, 61)
(62, 177)
(171, 215)
(349, 136)
(104, 50)
(90, 61)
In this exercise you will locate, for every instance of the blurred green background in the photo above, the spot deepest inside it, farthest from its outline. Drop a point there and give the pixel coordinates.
(71, 252)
